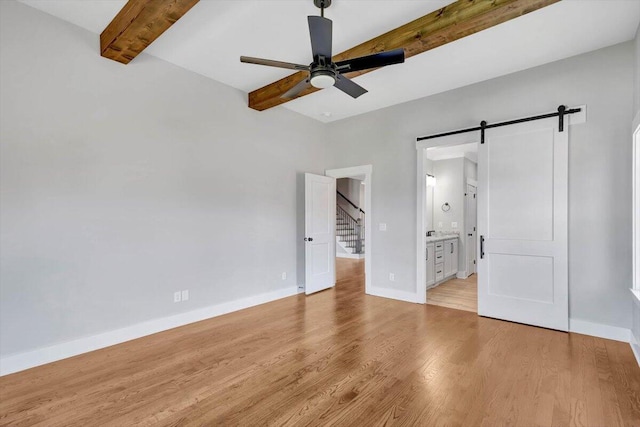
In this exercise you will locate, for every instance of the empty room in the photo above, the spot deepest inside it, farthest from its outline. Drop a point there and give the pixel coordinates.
(320, 212)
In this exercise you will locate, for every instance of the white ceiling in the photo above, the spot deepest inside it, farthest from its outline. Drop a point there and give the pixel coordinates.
(211, 37)
(470, 151)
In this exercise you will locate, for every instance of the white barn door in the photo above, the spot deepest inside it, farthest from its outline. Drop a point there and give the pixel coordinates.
(522, 224)
(320, 232)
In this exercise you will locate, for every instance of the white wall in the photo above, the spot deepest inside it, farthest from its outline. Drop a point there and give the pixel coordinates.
(350, 188)
(600, 170)
(122, 184)
(449, 175)
(637, 74)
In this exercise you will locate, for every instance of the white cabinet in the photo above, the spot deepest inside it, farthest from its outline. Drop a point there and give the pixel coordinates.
(431, 278)
(442, 261)
(450, 257)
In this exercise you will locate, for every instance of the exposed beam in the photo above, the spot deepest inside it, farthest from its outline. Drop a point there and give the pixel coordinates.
(455, 21)
(138, 24)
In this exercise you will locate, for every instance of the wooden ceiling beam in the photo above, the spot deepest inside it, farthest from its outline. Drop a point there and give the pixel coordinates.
(455, 21)
(138, 24)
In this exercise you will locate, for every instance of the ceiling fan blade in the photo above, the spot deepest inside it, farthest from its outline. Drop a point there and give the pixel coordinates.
(349, 87)
(295, 91)
(376, 60)
(320, 30)
(270, 63)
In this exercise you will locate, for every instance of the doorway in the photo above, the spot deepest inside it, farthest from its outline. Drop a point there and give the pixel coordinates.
(353, 216)
(450, 217)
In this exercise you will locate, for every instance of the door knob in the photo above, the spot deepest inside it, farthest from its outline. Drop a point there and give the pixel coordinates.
(308, 239)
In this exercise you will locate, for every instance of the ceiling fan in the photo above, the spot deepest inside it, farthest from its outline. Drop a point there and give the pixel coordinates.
(323, 72)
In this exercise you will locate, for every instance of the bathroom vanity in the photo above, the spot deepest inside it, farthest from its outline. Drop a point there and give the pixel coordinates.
(442, 258)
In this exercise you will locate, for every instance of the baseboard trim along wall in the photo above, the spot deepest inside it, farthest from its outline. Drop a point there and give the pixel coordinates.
(599, 330)
(393, 294)
(350, 256)
(41, 356)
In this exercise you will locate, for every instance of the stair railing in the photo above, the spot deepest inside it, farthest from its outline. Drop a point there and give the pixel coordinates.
(356, 239)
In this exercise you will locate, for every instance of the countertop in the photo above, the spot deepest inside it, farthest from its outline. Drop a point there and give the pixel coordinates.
(431, 239)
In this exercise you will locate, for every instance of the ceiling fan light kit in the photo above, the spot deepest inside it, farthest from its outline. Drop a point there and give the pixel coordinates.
(322, 80)
(323, 72)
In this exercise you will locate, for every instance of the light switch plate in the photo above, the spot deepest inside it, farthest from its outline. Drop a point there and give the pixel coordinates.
(185, 295)
(454, 225)
(383, 226)
(177, 296)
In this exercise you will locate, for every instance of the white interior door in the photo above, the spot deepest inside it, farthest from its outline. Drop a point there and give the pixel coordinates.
(471, 224)
(522, 224)
(320, 232)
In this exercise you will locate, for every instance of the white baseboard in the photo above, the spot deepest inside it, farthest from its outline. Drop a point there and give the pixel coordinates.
(462, 275)
(615, 333)
(41, 356)
(393, 294)
(350, 256)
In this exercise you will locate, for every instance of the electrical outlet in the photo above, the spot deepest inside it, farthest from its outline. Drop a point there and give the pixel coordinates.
(392, 277)
(440, 224)
(454, 225)
(383, 226)
(185, 295)
(284, 275)
(177, 296)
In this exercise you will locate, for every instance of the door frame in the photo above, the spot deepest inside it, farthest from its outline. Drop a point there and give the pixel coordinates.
(636, 208)
(421, 205)
(358, 171)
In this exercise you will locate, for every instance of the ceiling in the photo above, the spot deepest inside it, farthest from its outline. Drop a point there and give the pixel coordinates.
(210, 38)
(470, 151)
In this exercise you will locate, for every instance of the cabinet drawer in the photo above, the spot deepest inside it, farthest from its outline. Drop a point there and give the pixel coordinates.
(439, 257)
(439, 272)
(439, 246)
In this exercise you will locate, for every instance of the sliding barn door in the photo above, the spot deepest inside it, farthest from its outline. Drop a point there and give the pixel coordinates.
(320, 232)
(522, 224)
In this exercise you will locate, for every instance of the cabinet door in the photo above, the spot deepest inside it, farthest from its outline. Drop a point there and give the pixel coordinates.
(448, 259)
(454, 257)
(431, 278)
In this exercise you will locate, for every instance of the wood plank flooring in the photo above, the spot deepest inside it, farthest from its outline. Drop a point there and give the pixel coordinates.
(461, 294)
(338, 357)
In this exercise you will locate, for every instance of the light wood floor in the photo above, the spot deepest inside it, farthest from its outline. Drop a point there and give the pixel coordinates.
(461, 294)
(337, 358)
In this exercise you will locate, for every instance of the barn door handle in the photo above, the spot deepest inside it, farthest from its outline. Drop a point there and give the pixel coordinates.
(481, 247)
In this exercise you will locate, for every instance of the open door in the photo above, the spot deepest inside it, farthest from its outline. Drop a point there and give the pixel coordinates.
(471, 226)
(522, 224)
(320, 232)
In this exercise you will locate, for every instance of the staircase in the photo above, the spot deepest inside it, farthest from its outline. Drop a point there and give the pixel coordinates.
(349, 233)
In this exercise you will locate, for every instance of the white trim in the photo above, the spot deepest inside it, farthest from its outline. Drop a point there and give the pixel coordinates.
(472, 182)
(21, 361)
(393, 294)
(599, 330)
(358, 171)
(350, 256)
(635, 213)
(636, 293)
